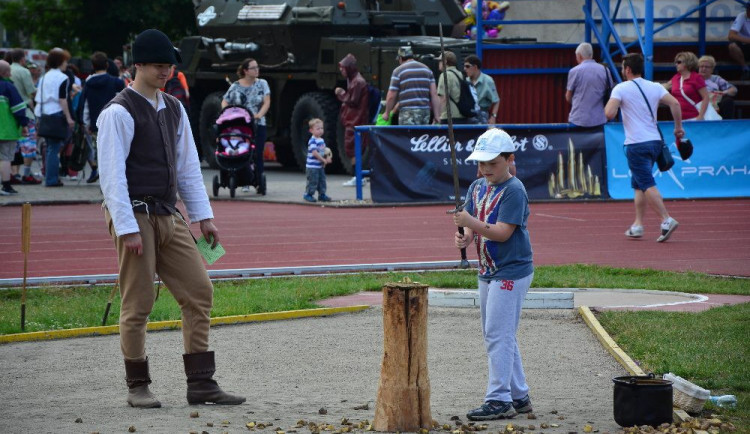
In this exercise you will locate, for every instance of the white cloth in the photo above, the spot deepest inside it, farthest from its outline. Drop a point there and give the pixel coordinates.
(116, 130)
(500, 303)
(741, 25)
(49, 87)
(639, 124)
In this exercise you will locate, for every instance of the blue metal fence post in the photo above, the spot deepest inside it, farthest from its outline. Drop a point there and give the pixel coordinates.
(702, 29)
(587, 26)
(358, 161)
(648, 46)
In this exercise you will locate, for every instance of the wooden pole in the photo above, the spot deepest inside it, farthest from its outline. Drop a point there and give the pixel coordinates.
(403, 402)
(25, 248)
(109, 302)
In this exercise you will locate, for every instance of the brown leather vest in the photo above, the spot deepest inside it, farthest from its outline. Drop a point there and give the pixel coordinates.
(150, 167)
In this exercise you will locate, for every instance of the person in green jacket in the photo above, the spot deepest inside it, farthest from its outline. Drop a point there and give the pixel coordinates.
(13, 123)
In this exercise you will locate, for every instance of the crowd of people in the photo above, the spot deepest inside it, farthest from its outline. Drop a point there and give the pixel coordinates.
(70, 103)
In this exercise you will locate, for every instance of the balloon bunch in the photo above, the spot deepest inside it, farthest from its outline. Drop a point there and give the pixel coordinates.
(491, 10)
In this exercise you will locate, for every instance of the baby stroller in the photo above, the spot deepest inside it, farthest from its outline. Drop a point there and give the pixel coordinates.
(235, 148)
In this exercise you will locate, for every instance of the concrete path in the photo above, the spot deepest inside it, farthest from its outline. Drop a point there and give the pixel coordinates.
(598, 299)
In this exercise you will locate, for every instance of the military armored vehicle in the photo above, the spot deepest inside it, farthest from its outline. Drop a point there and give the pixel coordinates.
(298, 45)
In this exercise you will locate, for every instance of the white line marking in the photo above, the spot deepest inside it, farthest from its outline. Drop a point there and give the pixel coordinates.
(560, 217)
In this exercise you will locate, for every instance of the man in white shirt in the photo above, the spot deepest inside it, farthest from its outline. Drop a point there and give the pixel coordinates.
(638, 99)
(146, 156)
(739, 41)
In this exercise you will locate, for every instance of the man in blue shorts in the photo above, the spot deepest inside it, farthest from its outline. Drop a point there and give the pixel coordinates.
(638, 99)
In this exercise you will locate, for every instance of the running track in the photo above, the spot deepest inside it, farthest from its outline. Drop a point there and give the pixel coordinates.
(713, 237)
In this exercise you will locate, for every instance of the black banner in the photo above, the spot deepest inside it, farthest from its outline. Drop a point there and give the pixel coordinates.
(554, 162)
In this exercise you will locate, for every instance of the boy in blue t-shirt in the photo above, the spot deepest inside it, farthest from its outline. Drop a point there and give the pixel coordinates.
(318, 155)
(495, 213)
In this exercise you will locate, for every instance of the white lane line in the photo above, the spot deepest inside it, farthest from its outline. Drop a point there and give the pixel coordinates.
(560, 217)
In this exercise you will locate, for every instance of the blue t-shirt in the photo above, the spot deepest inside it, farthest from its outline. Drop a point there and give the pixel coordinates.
(315, 144)
(507, 203)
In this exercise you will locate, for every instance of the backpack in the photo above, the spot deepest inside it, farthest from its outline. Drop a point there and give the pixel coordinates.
(374, 101)
(79, 149)
(174, 88)
(466, 101)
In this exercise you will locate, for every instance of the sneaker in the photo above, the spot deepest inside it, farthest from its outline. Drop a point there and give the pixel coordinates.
(308, 198)
(492, 410)
(350, 183)
(523, 405)
(93, 177)
(667, 227)
(634, 232)
(73, 177)
(8, 191)
(246, 189)
(58, 184)
(16, 179)
(28, 179)
(324, 198)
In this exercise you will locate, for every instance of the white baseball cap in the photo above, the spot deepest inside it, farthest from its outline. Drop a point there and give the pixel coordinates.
(490, 144)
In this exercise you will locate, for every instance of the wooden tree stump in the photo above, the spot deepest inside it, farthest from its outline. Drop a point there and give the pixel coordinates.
(403, 402)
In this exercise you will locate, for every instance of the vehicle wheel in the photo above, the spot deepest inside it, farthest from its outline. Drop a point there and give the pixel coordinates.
(285, 153)
(209, 112)
(315, 105)
(216, 186)
(232, 185)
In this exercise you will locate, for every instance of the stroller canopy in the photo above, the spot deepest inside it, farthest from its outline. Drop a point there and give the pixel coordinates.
(233, 113)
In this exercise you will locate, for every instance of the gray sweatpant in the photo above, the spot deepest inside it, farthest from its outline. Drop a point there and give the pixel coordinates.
(500, 307)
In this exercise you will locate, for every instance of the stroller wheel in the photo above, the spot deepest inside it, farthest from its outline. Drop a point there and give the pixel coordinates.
(216, 186)
(232, 185)
(262, 185)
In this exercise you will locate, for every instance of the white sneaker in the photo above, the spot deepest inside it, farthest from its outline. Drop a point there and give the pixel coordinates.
(246, 189)
(667, 227)
(634, 232)
(73, 177)
(350, 183)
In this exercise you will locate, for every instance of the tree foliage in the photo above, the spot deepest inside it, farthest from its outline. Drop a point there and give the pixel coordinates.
(84, 26)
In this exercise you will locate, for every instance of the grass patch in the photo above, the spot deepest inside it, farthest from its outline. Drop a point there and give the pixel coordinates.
(55, 308)
(708, 348)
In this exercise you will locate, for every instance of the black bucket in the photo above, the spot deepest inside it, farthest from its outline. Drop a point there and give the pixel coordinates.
(642, 400)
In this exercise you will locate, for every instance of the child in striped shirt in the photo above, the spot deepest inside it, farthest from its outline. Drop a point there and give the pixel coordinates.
(318, 155)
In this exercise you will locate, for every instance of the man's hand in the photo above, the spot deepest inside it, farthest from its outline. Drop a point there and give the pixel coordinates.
(679, 133)
(209, 231)
(339, 91)
(463, 241)
(133, 243)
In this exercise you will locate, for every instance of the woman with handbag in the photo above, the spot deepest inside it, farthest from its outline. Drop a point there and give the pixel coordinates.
(55, 120)
(689, 89)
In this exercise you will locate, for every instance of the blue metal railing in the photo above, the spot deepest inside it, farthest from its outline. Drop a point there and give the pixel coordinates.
(601, 30)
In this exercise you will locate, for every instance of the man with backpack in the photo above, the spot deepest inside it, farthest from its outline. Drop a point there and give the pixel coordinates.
(99, 88)
(355, 105)
(459, 93)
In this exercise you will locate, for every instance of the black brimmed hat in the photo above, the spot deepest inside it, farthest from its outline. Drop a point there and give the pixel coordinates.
(153, 46)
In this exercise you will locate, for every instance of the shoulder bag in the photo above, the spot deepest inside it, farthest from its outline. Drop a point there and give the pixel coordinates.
(710, 114)
(54, 126)
(664, 160)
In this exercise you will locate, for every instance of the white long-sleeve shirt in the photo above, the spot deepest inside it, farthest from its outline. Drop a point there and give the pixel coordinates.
(116, 131)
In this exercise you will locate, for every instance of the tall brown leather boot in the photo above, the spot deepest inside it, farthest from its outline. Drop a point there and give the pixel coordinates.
(138, 379)
(201, 387)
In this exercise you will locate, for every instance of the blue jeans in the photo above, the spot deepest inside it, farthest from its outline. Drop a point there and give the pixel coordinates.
(641, 158)
(52, 161)
(260, 144)
(316, 180)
